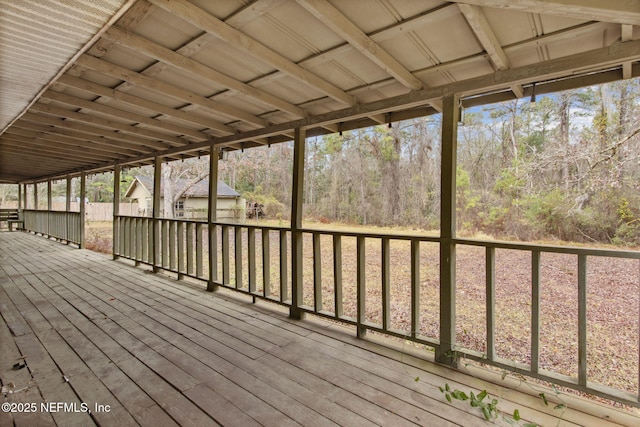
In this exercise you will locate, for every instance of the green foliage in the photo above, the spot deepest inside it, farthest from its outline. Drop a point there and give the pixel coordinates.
(488, 407)
(272, 207)
(510, 184)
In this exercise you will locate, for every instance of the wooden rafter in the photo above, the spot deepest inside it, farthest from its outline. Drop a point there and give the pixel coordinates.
(166, 89)
(344, 27)
(136, 101)
(485, 34)
(616, 11)
(124, 115)
(140, 44)
(206, 22)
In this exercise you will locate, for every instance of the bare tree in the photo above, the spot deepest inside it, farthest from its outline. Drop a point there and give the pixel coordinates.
(191, 170)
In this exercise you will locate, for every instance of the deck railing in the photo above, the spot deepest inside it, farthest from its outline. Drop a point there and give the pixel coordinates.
(58, 224)
(388, 283)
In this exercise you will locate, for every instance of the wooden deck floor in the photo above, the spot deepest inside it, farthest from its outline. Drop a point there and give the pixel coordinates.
(161, 352)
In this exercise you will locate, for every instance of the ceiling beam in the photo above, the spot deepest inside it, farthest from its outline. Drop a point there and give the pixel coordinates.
(617, 11)
(46, 147)
(155, 85)
(626, 35)
(136, 101)
(486, 36)
(167, 56)
(55, 139)
(81, 138)
(17, 147)
(80, 125)
(207, 22)
(345, 28)
(124, 115)
(153, 136)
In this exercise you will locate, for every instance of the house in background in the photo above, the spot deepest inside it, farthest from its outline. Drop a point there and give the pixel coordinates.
(193, 204)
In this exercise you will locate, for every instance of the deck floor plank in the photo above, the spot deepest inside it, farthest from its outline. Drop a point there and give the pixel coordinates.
(163, 352)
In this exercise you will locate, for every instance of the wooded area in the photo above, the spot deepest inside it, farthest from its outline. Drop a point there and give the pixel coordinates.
(565, 167)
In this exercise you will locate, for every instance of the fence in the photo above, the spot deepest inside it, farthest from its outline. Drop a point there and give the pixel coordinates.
(348, 276)
(94, 211)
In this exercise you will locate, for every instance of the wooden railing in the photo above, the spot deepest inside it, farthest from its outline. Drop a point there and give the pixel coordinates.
(61, 225)
(388, 283)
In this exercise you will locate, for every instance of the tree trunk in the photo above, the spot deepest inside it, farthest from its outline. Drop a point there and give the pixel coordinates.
(168, 190)
(563, 113)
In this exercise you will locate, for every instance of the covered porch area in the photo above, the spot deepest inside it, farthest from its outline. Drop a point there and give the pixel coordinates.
(142, 349)
(152, 82)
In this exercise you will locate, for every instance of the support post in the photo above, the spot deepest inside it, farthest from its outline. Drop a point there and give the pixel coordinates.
(115, 250)
(19, 197)
(68, 219)
(157, 180)
(212, 217)
(24, 195)
(450, 113)
(68, 195)
(35, 195)
(296, 224)
(49, 207)
(49, 196)
(83, 206)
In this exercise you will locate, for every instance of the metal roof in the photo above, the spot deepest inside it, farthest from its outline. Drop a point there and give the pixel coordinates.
(171, 77)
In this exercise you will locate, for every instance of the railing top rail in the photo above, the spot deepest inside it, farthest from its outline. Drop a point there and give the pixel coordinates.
(575, 250)
(51, 211)
(395, 236)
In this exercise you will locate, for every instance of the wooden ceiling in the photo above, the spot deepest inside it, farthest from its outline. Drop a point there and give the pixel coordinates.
(171, 77)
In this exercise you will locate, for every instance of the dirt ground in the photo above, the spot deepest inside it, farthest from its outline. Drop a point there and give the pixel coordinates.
(613, 299)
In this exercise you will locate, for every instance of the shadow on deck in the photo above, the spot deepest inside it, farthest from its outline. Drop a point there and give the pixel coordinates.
(141, 349)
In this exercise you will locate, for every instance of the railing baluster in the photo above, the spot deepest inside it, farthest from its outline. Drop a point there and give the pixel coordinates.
(125, 243)
(225, 254)
(180, 239)
(172, 246)
(491, 301)
(535, 311)
(199, 251)
(266, 263)
(140, 239)
(317, 273)
(164, 242)
(190, 244)
(337, 275)
(284, 292)
(582, 319)
(360, 286)
(415, 288)
(386, 282)
(150, 249)
(213, 256)
(237, 233)
(251, 256)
